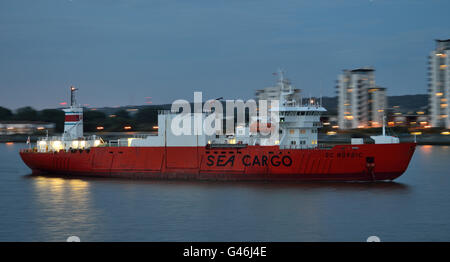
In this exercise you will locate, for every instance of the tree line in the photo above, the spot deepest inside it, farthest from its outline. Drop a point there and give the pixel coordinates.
(142, 120)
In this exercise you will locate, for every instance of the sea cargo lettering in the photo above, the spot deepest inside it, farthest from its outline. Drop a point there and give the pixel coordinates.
(343, 155)
(247, 160)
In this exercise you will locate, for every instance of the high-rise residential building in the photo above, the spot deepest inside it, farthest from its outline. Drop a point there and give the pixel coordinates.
(360, 102)
(377, 103)
(273, 92)
(439, 84)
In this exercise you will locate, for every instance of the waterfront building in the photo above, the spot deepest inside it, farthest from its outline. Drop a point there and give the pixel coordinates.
(273, 92)
(24, 127)
(439, 84)
(360, 102)
(377, 103)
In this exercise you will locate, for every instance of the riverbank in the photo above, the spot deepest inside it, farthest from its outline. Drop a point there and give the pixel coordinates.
(424, 139)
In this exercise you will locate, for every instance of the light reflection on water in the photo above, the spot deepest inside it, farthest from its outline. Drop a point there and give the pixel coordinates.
(65, 202)
(51, 208)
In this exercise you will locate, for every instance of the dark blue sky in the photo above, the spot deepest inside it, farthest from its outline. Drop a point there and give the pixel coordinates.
(120, 51)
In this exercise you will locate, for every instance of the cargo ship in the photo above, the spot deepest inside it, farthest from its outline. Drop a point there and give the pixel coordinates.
(243, 155)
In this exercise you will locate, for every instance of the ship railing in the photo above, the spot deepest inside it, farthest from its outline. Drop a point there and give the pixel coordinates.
(294, 147)
(118, 143)
(140, 136)
(305, 147)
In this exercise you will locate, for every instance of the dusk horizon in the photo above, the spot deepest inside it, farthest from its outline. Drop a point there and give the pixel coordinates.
(119, 53)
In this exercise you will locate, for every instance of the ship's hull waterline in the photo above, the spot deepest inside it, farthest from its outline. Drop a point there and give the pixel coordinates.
(365, 162)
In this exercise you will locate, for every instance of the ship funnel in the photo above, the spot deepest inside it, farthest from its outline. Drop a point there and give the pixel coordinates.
(73, 121)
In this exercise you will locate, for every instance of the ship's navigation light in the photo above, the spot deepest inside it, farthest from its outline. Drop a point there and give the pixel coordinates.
(127, 127)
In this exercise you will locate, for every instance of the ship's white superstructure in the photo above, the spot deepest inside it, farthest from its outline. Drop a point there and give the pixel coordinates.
(73, 137)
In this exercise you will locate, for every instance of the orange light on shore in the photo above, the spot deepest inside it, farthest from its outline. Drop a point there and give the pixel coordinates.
(9, 143)
(100, 128)
(127, 127)
(427, 126)
(155, 127)
(445, 133)
(63, 103)
(335, 126)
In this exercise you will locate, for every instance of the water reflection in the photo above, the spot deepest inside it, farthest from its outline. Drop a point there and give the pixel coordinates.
(65, 207)
(345, 186)
(426, 149)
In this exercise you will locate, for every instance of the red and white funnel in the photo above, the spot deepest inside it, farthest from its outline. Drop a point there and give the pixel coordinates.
(73, 124)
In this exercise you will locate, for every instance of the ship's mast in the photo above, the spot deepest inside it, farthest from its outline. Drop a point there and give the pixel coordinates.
(73, 100)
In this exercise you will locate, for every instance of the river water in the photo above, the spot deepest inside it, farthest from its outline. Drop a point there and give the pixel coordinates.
(416, 207)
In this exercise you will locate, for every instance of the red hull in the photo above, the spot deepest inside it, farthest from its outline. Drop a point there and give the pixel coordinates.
(367, 162)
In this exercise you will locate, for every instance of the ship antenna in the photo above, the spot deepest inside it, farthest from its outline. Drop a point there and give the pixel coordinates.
(384, 125)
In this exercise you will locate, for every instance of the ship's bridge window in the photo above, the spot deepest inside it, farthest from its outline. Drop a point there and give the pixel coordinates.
(291, 131)
(293, 142)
